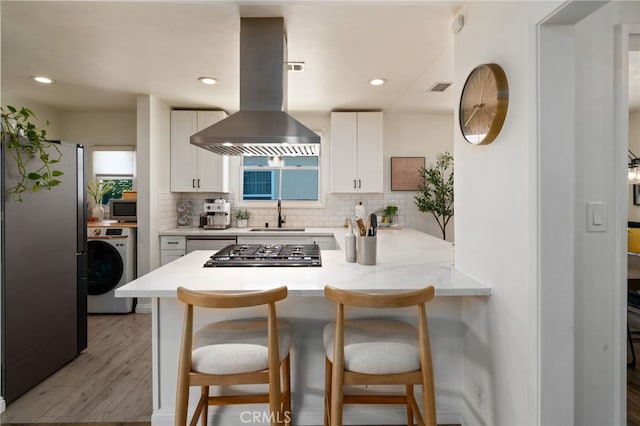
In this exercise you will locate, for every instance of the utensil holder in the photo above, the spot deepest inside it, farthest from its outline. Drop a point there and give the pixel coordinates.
(366, 252)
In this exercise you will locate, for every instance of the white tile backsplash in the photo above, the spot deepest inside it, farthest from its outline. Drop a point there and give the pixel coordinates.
(338, 207)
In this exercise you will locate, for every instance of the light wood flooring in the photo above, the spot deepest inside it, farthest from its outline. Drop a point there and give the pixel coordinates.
(109, 382)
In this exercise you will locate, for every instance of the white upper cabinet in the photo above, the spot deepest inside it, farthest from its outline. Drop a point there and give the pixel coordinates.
(195, 169)
(356, 152)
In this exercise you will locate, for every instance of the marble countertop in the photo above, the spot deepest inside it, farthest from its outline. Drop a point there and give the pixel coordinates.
(190, 231)
(111, 224)
(406, 259)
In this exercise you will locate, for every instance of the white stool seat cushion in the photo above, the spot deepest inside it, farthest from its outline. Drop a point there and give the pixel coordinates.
(237, 346)
(376, 346)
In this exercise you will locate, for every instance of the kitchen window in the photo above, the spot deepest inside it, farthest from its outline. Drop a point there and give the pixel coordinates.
(117, 166)
(295, 178)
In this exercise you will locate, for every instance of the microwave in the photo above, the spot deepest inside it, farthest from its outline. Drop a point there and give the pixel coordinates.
(123, 209)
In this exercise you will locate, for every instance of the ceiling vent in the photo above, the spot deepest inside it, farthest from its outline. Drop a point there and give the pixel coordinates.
(439, 87)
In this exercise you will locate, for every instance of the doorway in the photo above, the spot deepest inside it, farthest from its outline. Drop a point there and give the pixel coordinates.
(633, 214)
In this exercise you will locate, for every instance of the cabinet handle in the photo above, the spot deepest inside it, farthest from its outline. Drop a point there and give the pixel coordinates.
(172, 242)
(198, 183)
(354, 184)
(193, 183)
(359, 184)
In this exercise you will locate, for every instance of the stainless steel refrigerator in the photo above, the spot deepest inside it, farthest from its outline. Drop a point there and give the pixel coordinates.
(44, 275)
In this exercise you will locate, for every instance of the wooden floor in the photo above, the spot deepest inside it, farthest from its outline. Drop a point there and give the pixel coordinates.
(110, 382)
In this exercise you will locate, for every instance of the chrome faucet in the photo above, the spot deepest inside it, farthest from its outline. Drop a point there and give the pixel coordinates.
(280, 219)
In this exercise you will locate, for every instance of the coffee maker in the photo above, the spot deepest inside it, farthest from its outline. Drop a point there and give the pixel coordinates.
(218, 213)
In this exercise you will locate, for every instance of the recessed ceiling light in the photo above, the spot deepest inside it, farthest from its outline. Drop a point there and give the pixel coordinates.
(377, 81)
(42, 79)
(227, 144)
(208, 80)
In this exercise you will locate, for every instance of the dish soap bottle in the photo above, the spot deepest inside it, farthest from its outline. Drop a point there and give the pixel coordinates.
(350, 244)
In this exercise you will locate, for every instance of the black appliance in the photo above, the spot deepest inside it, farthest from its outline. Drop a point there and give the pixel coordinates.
(44, 274)
(266, 255)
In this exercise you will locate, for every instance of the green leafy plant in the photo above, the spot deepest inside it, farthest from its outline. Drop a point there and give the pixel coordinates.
(390, 211)
(118, 186)
(435, 195)
(243, 214)
(97, 190)
(27, 145)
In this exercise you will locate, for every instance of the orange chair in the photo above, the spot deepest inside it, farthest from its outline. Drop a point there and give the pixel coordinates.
(236, 352)
(378, 351)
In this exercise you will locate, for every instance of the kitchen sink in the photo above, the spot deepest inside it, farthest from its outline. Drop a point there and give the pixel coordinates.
(277, 229)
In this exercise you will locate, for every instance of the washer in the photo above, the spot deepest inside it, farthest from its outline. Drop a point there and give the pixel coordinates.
(112, 264)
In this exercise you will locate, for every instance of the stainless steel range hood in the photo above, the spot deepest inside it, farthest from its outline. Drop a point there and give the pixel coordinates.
(261, 127)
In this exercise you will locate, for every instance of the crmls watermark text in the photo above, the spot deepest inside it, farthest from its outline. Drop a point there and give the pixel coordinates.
(259, 417)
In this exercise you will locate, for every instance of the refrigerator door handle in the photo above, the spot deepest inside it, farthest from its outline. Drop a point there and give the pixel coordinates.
(82, 200)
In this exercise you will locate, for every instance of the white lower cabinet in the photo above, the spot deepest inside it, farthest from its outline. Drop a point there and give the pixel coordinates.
(171, 248)
(274, 239)
(325, 242)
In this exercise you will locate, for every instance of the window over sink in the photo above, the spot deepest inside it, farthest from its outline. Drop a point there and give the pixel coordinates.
(292, 178)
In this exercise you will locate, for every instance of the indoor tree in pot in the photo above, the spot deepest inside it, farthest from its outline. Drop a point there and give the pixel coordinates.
(27, 145)
(435, 195)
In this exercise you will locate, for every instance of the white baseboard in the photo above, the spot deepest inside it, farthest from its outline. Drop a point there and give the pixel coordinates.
(3, 406)
(143, 308)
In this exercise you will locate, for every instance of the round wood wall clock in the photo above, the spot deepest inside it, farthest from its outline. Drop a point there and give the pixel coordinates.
(483, 104)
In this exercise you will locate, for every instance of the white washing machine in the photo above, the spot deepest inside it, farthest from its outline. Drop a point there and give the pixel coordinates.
(112, 264)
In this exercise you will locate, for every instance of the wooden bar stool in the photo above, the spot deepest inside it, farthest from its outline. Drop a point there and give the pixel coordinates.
(236, 352)
(378, 351)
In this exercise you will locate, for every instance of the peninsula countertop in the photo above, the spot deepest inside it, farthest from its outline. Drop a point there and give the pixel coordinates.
(406, 259)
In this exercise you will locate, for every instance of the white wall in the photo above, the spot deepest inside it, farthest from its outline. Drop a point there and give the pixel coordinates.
(43, 113)
(417, 135)
(496, 219)
(598, 369)
(153, 165)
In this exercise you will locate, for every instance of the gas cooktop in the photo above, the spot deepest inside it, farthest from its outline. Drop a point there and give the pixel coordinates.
(266, 255)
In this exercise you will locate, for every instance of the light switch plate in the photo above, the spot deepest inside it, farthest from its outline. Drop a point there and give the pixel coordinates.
(596, 216)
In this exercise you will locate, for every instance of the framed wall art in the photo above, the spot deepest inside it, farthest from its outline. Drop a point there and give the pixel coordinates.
(405, 173)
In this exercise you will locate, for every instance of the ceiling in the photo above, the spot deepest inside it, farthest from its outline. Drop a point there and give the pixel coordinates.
(102, 54)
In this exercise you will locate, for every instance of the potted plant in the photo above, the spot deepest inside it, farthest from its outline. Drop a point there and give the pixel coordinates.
(97, 190)
(435, 195)
(242, 217)
(389, 214)
(28, 147)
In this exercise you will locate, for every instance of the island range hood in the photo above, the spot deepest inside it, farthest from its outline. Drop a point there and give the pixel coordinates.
(261, 127)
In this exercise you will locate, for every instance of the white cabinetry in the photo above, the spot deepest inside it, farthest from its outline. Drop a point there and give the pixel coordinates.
(172, 248)
(325, 242)
(356, 152)
(274, 239)
(195, 169)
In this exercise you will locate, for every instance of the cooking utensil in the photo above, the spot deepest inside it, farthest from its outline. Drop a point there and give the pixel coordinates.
(361, 227)
(374, 225)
